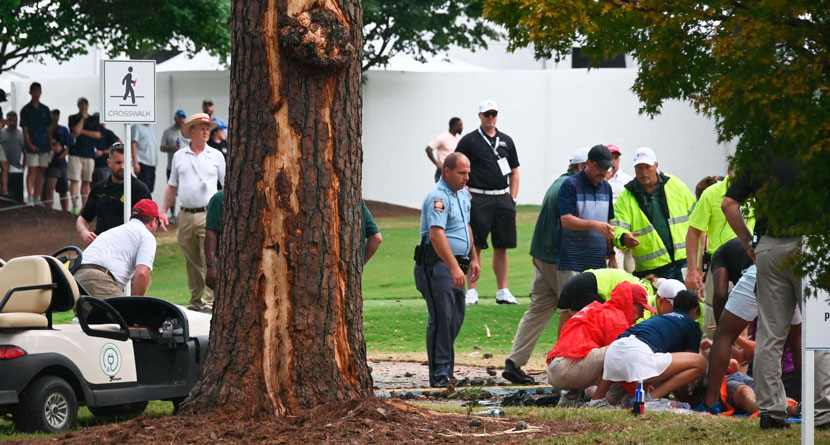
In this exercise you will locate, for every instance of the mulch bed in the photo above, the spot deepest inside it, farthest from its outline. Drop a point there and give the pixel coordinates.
(368, 421)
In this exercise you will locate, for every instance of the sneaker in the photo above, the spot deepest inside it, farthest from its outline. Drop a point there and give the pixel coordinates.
(515, 374)
(768, 423)
(600, 404)
(503, 296)
(568, 401)
(713, 410)
(76, 209)
(472, 297)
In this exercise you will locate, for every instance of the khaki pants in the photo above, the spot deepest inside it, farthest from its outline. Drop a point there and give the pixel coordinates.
(544, 296)
(577, 374)
(708, 307)
(191, 237)
(778, 291)
(98, 284)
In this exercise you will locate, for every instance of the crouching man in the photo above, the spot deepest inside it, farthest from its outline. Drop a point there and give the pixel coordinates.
(122, 254)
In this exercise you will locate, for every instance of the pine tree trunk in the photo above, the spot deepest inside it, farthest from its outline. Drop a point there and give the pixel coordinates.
(287, 329)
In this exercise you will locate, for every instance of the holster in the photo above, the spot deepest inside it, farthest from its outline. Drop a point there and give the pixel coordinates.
(425, 255)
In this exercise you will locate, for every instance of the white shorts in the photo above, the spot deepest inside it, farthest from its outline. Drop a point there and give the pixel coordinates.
(80, 169)
(628, 359)
(742, 302)
(38, 159)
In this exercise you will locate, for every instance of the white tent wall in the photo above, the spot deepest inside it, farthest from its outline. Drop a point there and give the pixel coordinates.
(549, 113)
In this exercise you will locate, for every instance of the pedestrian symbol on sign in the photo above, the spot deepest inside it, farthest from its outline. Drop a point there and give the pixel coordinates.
(130, 83)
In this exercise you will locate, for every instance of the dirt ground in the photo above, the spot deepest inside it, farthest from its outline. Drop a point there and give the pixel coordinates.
(369, 421)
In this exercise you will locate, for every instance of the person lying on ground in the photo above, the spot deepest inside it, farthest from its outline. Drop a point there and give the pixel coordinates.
(576, 361)
(741, 308)
(593, 285)
(662, 350)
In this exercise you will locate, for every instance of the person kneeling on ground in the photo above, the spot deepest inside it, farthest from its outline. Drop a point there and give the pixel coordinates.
(661, 350)
(576, 362)
(594, 285)
(122, 254)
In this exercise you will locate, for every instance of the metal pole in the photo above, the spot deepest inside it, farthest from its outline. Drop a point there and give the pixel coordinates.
(808, 383)
(128, 189)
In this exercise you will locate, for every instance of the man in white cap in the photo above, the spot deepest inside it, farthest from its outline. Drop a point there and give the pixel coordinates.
(494, 186)
(651, 217)
(544, 287)
(194, 175)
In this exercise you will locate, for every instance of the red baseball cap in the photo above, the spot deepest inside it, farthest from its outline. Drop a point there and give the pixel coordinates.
(614, 149)
(640, 297)
(146, 207)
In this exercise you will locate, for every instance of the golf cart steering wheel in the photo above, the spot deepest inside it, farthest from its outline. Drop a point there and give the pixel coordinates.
(69, 256)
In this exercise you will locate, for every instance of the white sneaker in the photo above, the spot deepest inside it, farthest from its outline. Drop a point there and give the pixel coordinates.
(471, 297)
(600, 404)
(503, 296)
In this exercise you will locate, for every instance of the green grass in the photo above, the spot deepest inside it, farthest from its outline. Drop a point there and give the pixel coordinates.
(620, 427)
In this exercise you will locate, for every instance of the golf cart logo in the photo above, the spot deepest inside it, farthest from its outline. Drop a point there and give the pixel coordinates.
(110, 359)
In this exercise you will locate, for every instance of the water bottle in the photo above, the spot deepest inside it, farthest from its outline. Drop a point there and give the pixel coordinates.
(639, 406)
(491, 412)
(166, 329)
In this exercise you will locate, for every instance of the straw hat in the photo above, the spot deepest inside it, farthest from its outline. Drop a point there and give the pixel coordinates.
(198, 118)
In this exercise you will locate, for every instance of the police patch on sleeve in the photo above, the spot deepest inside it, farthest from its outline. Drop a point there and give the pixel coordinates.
(438, 205)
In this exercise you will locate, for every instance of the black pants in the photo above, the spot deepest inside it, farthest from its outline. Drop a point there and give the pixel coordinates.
(446, 306)
(147, 175)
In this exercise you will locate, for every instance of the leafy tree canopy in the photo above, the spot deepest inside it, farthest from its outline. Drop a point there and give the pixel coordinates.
(65, 28)
(759, 69)
(421, 28)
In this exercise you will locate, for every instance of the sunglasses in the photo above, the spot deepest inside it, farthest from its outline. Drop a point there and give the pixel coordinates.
(490, 113)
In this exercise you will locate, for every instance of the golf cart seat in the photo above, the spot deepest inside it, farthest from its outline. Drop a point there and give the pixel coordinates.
(31, 288)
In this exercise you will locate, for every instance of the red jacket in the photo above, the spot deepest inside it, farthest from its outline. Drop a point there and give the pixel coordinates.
(596, 325)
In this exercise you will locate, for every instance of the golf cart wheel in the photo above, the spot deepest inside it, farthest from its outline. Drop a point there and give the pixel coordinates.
(48, 404)
(122, 411)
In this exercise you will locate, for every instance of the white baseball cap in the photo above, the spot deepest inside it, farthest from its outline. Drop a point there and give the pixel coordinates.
(488, 105)
(580, 156)
(669, 289)
(644, 155)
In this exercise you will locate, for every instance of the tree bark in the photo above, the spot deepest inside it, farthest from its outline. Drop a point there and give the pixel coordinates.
(287, 329)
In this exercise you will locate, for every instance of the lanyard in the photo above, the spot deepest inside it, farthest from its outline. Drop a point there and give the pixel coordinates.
(495, 151)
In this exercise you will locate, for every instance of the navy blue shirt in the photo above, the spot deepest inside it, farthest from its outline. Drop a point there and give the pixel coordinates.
(580, 250)
(61, 135)
(84, 146)
(36, 121)
(672, 332)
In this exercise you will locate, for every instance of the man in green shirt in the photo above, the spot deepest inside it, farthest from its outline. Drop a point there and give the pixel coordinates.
(213, 230)
(371, 234)
(544, 288)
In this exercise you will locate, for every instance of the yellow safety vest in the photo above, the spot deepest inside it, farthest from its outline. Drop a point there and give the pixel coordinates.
(651, 253)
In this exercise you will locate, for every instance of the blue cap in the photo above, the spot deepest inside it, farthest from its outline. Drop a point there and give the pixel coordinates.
(180, 113)
(221, 127)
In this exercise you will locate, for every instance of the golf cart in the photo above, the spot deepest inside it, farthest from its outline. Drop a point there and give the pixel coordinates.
(120, 353)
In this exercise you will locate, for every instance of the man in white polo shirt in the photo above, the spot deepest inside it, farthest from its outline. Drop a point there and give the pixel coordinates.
(194, 174)
(122, 254)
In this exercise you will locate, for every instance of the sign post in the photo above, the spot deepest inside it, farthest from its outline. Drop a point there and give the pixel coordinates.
(815, 335)
(128, 96)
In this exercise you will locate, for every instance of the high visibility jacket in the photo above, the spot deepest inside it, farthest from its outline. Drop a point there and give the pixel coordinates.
(608, 279)
(629, 216)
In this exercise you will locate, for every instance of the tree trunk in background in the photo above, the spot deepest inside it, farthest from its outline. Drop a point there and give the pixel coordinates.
(287, 329)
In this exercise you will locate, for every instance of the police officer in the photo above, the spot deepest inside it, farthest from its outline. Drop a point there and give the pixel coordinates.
(442, 260)
(106, 199)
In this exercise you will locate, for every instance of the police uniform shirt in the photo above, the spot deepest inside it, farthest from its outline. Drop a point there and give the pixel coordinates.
(485, 172)
(106, 201)
(450, 211)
